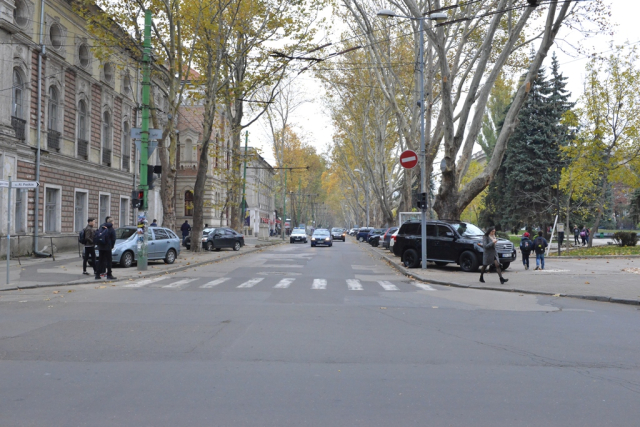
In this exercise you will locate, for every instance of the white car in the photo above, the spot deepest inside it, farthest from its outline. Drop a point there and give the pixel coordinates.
(298, 235)
(393, 240)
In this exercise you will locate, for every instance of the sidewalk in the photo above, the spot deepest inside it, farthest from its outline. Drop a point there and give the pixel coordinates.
(67, 268)
(613, 280)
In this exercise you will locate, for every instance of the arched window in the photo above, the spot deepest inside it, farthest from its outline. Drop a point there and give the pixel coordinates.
(126, 146)
(188, 203)
(106, 139)
(54, 99)
(188, 151)
(18, 94)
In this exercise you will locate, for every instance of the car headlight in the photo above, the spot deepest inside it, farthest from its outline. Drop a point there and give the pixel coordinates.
(313, 238)
(204, 239)
(327, 238)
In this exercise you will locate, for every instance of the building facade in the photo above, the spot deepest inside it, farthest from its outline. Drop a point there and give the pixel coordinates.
(260, 219)
(87, 105)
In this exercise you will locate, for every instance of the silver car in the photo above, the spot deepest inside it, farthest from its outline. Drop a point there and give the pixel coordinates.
(162, 244)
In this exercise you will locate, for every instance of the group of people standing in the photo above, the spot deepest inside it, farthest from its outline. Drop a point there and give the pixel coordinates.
(104, 239)
(539, 245)
(582, 233)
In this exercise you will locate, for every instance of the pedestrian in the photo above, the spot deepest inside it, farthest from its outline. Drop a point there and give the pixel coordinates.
(587, 235)
(489, 255)
(576, 234)
(89, 247)
(583, 235)
(526, 246)
(154, 223)
(540, 244)
(560, 234)
(105, 240)
(185, 228)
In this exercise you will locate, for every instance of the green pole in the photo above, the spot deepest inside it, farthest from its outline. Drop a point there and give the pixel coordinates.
(144, 139)
(284, 203)
(244, 179)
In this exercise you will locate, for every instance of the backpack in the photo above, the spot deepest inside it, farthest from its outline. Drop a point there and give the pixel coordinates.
(583, 233)
(540, 245)
(81, 238)
(100, 237)
(526, 245)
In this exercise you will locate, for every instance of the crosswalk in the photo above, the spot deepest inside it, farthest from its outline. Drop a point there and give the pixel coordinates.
(165, 282)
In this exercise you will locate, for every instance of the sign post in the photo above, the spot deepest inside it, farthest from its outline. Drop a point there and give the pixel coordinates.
(9, 228)
(408, 159)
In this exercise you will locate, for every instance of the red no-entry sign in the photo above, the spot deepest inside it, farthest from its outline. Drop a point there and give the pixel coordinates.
(408, 159)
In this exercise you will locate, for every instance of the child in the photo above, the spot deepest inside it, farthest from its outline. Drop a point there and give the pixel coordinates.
(526, 246)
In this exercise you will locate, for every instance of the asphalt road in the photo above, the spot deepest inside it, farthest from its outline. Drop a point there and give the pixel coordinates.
(301, 336)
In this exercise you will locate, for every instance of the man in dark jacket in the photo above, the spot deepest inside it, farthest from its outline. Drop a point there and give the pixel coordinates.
(186, 228)
(540, 244)
(105, 248)
(89, 248)
(526, 246)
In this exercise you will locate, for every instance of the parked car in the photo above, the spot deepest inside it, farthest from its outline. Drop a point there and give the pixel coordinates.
(298, 235)
(321, 236)
(352, 232)
(363, 234)
(374, 236)
(386, 238)
(392, 241)
(219, 238)
(162, 244)
(448, 242)
(339, 234)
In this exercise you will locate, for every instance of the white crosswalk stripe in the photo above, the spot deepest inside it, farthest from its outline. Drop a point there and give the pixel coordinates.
(284, 283)
(144, 282)
(354, 285)
(319, 284)
(179, 283)
(423, 286)
(251, 283)
(388, 286)
(213, 283)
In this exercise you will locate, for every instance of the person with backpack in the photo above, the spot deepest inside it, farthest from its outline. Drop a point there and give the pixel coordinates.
(489, 255)
(526, 246)
(540, 244)
(105, 240)
(583, 235)
(86, 239)
(185, 228)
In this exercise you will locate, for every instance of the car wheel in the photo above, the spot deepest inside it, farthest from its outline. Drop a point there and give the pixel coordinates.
(313, 245)
(127, 259)
(468, 262)
(217, 249)
(375, 244)
(171, 257)
(188, 247)
(209, 246)
(441, 263)
(330, 244)
(361, 239)
(410, 258)
(290, 240)
(236, 246)
(505, 265)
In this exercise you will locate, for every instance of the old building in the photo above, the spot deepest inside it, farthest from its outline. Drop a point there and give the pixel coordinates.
(260, 196)
(76, 141)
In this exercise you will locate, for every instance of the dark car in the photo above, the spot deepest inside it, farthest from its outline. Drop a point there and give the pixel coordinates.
(338, 234)
(219, 238)
(448, 242)
(374, 236)
(363, 234)
(386, 238)
(321, 236)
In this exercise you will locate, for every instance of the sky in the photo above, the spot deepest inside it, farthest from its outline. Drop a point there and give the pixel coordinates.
(313, 121)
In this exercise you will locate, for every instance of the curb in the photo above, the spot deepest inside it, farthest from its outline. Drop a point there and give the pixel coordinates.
(593, 257)
(257, 248)
(408, 273)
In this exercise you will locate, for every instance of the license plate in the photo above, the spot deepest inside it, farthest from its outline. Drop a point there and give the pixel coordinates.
(505, 255)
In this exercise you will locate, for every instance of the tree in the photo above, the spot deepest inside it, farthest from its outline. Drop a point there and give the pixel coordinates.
(497, 106)
(606, 149)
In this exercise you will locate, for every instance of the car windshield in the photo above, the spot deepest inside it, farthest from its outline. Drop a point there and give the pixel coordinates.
(206, 231)
(321, 233)
(298, 231)
(124, 233)
(466, 229)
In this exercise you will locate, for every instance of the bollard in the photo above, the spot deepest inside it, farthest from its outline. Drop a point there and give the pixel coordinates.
(52, 251)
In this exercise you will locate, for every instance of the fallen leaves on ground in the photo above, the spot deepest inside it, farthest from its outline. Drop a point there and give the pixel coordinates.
(634, 270)
(56, 292)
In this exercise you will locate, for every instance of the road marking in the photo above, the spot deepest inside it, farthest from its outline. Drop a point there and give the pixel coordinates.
(179, 283)
(284, 283)
(423, 286)
(251, 283)
(145, 282)
(214, 283)
(354, 285)
(319, 284)
(388, 286)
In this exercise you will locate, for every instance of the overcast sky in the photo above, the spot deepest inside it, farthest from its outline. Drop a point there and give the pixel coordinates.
(315, 123)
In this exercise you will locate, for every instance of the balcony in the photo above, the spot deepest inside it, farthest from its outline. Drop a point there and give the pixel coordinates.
(53, 140)
(83, 149)
(126, 163)
(106, 157)
(19, 126)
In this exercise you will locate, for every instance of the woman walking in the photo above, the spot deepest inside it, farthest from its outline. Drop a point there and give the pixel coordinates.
(489, 256)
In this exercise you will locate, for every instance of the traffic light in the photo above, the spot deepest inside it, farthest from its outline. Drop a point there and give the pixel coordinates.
(152, 171)
(137, 199)
(422, 201)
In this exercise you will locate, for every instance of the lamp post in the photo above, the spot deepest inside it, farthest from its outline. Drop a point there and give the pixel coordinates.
(386, 13)
(366, 193)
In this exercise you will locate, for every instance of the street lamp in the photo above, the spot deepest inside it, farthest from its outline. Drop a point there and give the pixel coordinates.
(386, 13)
(366, 193)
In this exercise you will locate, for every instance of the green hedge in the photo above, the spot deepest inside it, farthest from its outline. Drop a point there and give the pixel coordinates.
(625, 238)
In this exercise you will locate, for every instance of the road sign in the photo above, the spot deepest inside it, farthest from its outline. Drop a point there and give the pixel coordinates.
(408, 159)
(151, 147)
(25, 184)
(4, 184)
(136, 133)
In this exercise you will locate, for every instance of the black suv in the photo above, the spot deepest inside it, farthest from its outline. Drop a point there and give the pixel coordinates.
(448, 242)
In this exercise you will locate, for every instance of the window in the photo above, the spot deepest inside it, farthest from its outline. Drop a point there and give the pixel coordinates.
(126, 146)
(160, 234)
(54, 99)
(84, 55)
(124, 212)
(55, 36)
(81, 216)
(51, 210)
(188, 203)
(17, 98)
(188, 151)
(83, 141)
(126, 84)
(21, 196)
(106, 139)
(108, 72)
(20, 13)
(104, 207)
